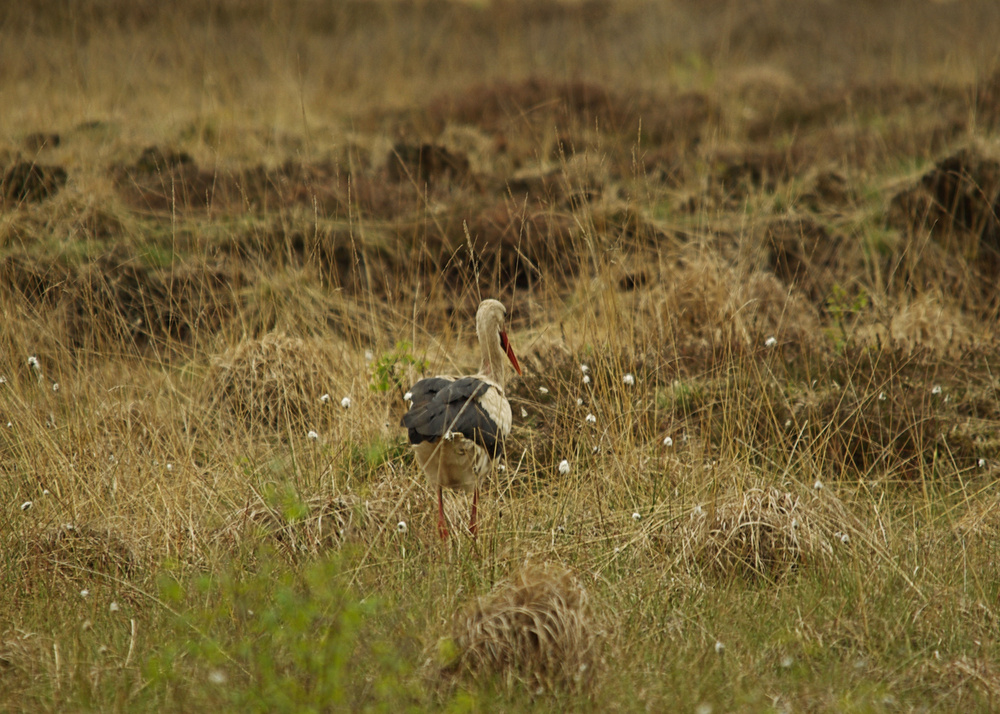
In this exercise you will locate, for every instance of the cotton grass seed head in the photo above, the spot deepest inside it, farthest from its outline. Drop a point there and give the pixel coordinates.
(936, 389)
(26, 505)
(345, 402)
(584, 368)
(628, 379)
(113, 607)
(33, 363)
(312, 435)
(719, 647)
(564, 467)
(636, 516)
(325, 399)
(586, 379)
(591, 419)
(84, 593)
(401, 527)
(543, 390)
(55, 386)
(579, 402)
(667, 441)
(770, 342)
(818, 486)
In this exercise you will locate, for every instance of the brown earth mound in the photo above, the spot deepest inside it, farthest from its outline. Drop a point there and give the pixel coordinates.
(958, 201)
(120, 300)
(26, 182)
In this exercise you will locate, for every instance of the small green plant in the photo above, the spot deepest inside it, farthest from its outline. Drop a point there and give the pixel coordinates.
(842, 308)
(278, 640)
(390, 369)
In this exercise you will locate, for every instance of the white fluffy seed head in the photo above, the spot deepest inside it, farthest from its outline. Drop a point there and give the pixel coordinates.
(312, 435)
(401, 527)
(564, 467)
(84, 593)
(982, 463)
(543, 390)
(636, 516)
(818, 486)
(667, 441)
(629, 379)
(325, 398)
(345, 402)
(113, 607)
(579, 402)
(591, 419)
(55, 386)
(586, 379)
(584, 368)
(33, 362)
(770, 342)
(719, 647)
(26, 505)
(936, 389)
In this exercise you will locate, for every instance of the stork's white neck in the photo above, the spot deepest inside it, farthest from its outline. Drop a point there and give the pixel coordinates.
(493, 356)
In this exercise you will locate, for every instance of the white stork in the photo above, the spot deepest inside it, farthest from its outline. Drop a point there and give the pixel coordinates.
(457, 424)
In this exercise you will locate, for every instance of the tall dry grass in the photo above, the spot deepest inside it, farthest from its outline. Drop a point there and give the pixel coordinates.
(749, 256)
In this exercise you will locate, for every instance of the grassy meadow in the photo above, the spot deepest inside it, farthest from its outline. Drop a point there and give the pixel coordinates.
(750, 254)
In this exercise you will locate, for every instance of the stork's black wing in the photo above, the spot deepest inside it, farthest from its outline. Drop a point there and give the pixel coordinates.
(441, 405)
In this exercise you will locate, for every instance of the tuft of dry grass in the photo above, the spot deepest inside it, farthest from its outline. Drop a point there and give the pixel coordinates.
(271, 382)
(536, 630)
(760, 533)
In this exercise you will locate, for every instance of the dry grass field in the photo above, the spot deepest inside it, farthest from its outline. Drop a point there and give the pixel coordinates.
(758, 242)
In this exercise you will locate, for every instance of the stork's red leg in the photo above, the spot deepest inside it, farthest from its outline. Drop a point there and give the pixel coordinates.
(473, 526)
(442, 528)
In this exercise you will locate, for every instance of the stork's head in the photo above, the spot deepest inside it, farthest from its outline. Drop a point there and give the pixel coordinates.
(491, 327)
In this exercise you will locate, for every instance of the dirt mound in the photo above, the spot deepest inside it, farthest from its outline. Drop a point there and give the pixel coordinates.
(120, 300)
(515, 247)
(803, 254)
(425, 163)
(36, 280)
(958, 202)
(950, 223)
(26, 182)
(162, 180)
(501, 105)
(40, 140)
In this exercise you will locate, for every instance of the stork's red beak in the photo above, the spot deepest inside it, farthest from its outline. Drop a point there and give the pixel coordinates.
(505, 343)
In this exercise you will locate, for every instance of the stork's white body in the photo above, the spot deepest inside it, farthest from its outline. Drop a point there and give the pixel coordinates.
(453, 461)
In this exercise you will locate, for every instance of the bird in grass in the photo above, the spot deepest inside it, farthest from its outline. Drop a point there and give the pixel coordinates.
(457, 425)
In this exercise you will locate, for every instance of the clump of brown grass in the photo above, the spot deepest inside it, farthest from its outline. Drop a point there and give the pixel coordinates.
(311, 526)
(536, 630)
(269, 382)
(23, 653)
(758, 533)
(76, 553)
